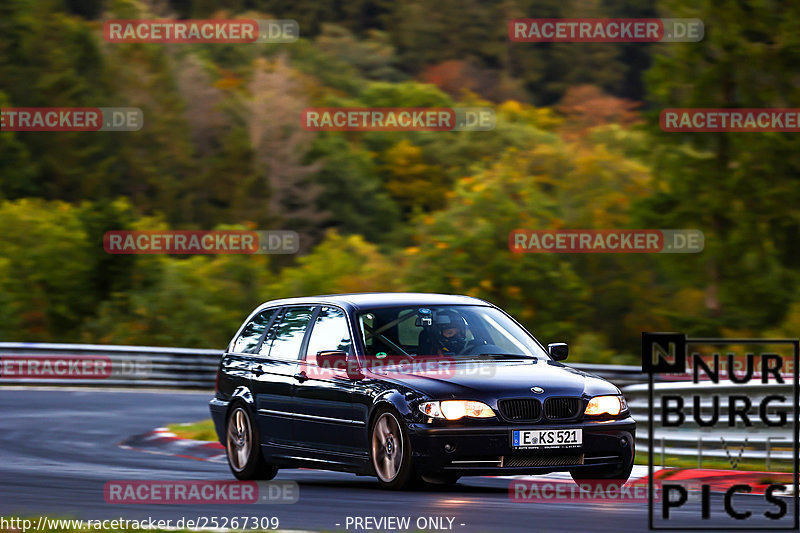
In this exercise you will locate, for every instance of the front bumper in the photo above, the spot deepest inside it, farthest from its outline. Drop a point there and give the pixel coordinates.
(485, 450)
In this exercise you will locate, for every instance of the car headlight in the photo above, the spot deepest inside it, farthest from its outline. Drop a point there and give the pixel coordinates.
(601, 405)
(455, 409)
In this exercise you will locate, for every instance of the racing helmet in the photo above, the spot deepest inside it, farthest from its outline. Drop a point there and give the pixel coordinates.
(449, 331)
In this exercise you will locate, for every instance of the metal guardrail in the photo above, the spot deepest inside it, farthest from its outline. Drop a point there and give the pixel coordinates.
(619, 375)
(760, 442)
(184, 368)
(130, 366)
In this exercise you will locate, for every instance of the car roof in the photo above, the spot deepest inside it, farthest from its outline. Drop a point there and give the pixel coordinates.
(372, 300)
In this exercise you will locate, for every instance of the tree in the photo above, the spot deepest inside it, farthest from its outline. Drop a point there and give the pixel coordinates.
(43, 250)
(339, 264)
(273, 107)
(739, 188)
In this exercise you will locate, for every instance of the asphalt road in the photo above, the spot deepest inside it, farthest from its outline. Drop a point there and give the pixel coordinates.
(58, 448)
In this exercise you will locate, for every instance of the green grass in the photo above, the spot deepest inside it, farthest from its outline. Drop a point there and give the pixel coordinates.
(715, 463)
(202, 430)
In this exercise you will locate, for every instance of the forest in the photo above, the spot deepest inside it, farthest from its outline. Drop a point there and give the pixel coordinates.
(577, 144)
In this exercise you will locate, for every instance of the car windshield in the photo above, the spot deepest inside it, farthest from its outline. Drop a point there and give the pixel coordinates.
(445, 331)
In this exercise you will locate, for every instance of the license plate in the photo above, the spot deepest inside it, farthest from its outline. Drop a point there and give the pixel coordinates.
(546, 438)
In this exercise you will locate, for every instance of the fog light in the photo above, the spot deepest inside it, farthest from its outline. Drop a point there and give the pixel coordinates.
(449, 447)
(623, 442)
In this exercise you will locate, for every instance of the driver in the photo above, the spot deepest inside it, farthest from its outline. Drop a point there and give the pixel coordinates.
(449, 332)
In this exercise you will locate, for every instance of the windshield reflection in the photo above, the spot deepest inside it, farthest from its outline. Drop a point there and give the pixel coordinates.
(444, 332)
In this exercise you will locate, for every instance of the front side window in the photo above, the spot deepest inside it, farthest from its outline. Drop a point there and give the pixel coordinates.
(330, 332)
(286, 338)
(248, 339)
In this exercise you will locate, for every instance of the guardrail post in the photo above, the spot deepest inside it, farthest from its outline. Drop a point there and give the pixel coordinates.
(700, 453)
(769, 449)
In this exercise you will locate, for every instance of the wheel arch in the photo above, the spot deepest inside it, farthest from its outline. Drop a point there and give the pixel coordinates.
(392, 399)
(241, 396)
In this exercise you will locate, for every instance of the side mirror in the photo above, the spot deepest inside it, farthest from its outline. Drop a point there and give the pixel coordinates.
(332, 359)
(340, 361)
(558, 350)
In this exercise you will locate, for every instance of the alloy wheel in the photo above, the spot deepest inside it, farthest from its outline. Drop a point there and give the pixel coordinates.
(240, 438)
(387, 447)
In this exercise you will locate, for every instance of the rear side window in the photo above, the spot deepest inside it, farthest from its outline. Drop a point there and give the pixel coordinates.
(248, 339)
(286, 337)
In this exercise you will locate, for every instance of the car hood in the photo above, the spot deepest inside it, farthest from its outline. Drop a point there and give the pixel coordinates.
(489, 380)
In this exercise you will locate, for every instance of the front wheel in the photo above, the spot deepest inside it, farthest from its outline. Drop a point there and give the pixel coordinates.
(390, 451)
(243, 448)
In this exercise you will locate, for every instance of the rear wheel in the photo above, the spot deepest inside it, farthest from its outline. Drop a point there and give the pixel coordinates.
(390, 451)
(243, 448)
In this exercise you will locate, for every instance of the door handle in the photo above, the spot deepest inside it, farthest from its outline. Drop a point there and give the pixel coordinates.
(301, 376)
(258, 371)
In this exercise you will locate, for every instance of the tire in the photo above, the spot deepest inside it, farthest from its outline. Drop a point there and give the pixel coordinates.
(390, 452)
(243, 447)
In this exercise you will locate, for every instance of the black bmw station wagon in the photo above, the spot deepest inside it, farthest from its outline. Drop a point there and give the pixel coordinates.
(411, 388)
